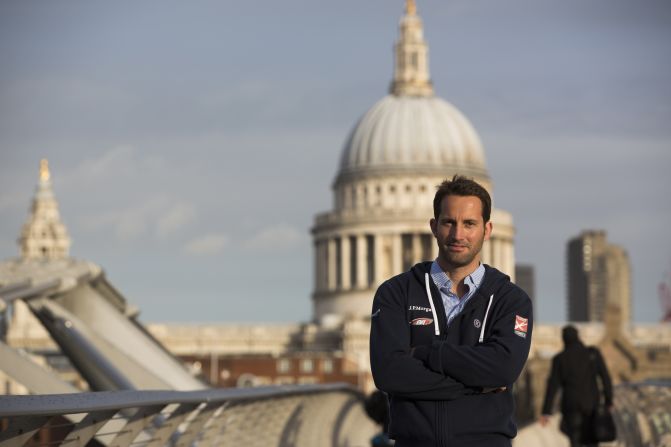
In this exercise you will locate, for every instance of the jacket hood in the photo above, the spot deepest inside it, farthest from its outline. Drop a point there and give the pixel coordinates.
(418, 270)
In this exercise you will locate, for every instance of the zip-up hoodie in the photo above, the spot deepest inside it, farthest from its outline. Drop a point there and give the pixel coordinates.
(437, 376)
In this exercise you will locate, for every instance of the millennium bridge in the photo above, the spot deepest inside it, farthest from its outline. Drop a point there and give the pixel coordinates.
(145, 397)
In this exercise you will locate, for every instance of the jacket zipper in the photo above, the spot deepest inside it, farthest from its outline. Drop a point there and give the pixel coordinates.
(442, 318)
(437, 309)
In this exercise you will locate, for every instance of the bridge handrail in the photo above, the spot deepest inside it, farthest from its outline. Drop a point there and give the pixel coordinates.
(298, 415)
(53, 404)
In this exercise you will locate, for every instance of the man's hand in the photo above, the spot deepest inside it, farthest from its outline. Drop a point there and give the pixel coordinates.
(499, 389)
(544, 419)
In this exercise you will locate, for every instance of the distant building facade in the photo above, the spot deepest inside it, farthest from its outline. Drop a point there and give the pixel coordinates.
(526, 280)
(265, 354)
(598, 277)
(289, 368)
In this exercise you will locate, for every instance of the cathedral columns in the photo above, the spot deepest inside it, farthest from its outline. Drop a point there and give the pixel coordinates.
(361, 262)
(396, 254)
(377, 260)
(496, 251)
(345, 258)
(331, 265)
(317, 264)
(509, 259)
(416, 248)
(321, 272)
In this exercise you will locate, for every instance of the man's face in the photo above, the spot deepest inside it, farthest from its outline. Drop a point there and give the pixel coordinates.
(460, 231)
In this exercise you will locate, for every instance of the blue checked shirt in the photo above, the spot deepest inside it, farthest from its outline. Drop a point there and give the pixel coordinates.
(453, 305)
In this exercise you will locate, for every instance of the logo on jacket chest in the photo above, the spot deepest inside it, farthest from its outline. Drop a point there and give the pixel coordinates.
(421, 321)
(423, 309)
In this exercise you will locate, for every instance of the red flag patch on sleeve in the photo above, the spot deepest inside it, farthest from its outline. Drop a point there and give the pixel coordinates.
(521, 326)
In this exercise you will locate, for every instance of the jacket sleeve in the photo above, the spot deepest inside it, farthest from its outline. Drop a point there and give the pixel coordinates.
(552, 387)
(499, 359)
(394, 369)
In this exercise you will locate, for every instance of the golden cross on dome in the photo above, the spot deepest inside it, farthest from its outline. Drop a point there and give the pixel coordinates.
(410, 7)
(44, 170)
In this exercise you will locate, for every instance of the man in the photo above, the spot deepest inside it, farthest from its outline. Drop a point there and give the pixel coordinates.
(575, 371)
(449, 337)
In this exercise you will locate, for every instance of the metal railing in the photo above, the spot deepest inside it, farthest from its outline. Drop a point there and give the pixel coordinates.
(282, 416)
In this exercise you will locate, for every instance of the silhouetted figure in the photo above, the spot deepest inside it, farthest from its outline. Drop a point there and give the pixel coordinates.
(575, 371)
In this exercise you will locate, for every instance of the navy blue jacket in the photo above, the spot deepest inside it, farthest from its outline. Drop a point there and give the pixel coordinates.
(437, 376)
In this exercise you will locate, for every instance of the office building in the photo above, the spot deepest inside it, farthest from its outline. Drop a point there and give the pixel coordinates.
(598, 277)
(525, 278)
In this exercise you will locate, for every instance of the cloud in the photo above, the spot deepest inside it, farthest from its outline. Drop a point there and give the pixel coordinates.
(116, 166)
(162, 214)
(210, 244)
(175, 217)
(117, 159)
(280, 237)
(126, 224)
(129, 193)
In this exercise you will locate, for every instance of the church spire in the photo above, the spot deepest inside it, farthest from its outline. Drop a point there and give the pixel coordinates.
(44, 170)
(43, 236)
(411, 69)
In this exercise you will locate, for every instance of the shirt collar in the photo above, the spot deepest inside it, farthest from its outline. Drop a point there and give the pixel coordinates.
(442, 281)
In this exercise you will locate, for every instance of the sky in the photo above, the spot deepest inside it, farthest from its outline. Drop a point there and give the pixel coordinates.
(191, 144)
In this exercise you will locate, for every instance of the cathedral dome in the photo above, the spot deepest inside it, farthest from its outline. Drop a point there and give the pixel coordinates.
(421, 133)
(411, 131)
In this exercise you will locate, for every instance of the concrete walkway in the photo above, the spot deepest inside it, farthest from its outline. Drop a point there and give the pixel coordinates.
(534, 435)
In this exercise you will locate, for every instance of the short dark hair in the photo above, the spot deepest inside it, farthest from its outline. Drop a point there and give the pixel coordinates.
(569, 334)
(462, 186)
